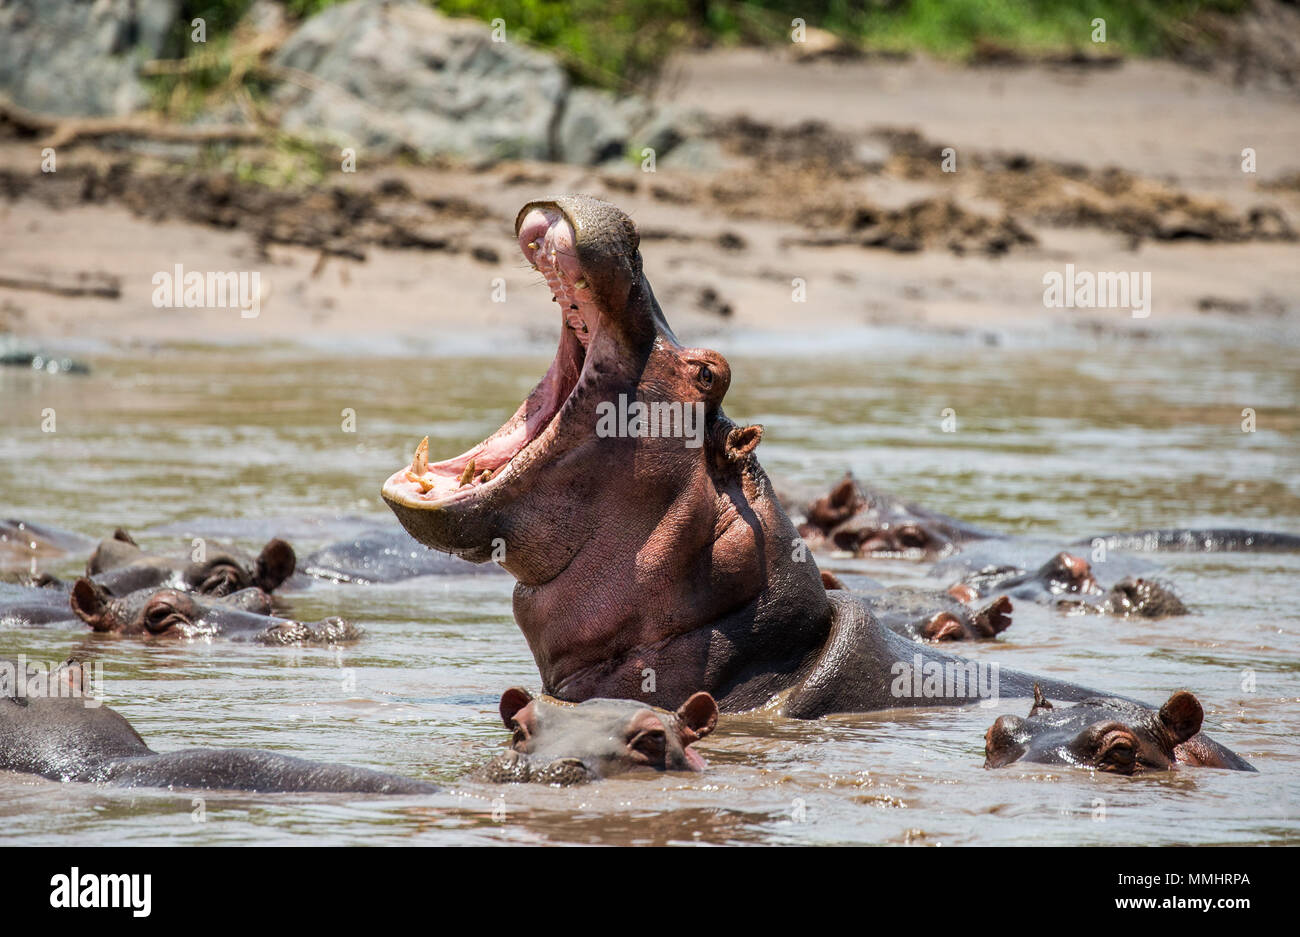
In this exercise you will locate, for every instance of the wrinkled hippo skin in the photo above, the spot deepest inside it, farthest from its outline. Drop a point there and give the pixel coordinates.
(926, 614)
(1107, 734)
(170, 614)
(866, 522)
(62, 738)
(570, 743)
(1068, 582)
(121, 566)
(385, 556)
(661, 554)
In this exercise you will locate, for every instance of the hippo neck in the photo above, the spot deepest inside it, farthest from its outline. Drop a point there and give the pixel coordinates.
(721, 604)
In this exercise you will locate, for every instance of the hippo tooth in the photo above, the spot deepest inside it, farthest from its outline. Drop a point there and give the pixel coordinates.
(532, 245)
(420, 480)
(466, 475)
(420, 464)
(486, 476)
(580, 285)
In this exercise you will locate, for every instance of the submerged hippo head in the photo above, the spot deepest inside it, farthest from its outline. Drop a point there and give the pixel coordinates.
(119, 563)
(626, 504)
(568, 743)
(172, 613)
(1143, 597)
(1104, 733)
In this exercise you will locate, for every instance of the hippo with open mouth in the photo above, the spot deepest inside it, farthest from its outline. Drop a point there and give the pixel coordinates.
(652, 556)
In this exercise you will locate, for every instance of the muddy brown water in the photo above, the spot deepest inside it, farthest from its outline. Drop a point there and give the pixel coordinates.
(1066, 437)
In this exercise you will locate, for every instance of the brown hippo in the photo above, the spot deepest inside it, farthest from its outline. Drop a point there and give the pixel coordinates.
(866, 522)
(1108, 734)
(651, 555)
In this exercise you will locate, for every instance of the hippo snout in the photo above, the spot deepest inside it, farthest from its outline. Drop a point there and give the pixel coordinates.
(512, 767)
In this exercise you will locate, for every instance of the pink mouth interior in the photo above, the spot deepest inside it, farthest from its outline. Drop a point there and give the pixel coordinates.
(547, 240)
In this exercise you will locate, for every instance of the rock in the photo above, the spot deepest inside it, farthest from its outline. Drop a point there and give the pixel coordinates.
(398, 76)
(698, 155)
(80, 58)
(593, 129)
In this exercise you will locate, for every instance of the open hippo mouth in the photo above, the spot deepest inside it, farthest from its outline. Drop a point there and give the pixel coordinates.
(614, 346)
(547, 238)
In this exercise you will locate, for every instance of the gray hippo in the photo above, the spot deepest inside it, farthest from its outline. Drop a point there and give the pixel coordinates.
(1108, 734)
(385, 556)
(925, 614)
(174, 614)
(1064, 580)
(22, 542)
(652, 558)
(167, 614)
(51, 727)
(867, 522)
(120, 565)
(554, 742)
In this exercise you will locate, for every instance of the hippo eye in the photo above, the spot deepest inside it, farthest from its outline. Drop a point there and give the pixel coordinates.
(519, 736)
(1118, 753)
(704, 375)
(652, 744)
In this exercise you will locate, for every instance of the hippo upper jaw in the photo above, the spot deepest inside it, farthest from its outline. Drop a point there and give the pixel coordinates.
(610, 324)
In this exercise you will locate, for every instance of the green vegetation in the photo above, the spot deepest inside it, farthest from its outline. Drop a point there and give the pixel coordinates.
(622, 43)
(954, 28)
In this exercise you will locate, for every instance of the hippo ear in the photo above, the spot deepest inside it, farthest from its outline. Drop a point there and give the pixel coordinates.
(1040, 702)
(1181, 716)
(742, 440)
(699, 714)
(831, 581)
(121, 534)
(513, 700)
(843, 494)
(90, 603)
(275, 564)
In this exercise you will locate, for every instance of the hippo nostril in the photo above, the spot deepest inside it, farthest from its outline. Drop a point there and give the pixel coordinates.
(563, 772)
(509, 767)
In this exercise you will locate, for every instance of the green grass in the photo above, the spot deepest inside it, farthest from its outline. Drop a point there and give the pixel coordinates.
(621, 44)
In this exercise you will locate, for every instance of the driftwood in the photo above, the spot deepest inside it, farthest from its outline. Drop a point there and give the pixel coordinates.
(102, 285)
(62, 131)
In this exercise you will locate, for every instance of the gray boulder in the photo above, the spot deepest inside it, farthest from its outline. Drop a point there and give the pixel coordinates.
(80, 57)
(388, 76)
